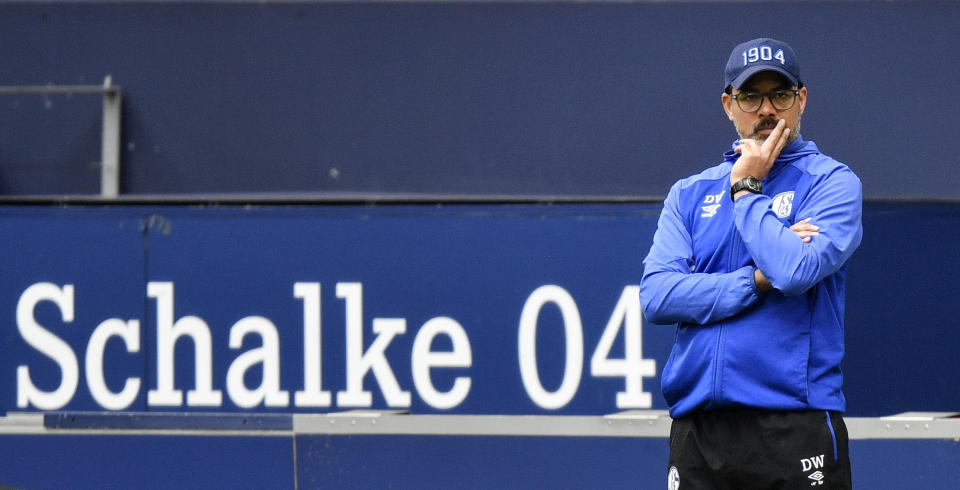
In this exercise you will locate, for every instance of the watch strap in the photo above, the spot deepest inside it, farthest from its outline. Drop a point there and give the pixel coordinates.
(750, 183)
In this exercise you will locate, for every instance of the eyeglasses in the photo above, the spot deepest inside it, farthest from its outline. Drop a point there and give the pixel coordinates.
(781, 99)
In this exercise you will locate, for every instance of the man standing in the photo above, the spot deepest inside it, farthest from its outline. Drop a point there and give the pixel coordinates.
(749, 260)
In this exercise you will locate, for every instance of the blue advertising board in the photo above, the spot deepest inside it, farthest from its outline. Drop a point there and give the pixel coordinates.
(467, 309)
(427, 308)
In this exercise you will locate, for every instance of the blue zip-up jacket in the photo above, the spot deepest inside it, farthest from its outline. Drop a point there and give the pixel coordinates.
(735, 346)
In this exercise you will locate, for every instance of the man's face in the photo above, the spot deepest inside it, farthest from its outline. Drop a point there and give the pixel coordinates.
(758, 124)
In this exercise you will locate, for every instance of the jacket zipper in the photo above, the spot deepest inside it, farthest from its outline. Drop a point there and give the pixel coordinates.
(716, 367)
(717, 370)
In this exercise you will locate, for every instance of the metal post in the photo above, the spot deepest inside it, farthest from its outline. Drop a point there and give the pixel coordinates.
(110, 147)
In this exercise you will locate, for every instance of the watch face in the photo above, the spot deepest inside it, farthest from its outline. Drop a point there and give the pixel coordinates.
(754, 185)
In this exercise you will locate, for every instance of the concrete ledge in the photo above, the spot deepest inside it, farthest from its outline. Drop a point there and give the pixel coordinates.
(634, 423)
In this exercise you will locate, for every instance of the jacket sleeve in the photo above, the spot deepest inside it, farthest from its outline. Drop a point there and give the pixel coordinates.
(670, 292)
(834, 204)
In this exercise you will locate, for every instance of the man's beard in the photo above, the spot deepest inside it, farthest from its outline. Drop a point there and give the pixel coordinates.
(769, 123)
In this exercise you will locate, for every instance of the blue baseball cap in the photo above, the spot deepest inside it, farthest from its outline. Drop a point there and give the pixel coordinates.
(762, 54)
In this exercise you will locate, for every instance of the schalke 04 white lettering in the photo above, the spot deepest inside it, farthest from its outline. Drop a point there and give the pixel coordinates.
(359, 362)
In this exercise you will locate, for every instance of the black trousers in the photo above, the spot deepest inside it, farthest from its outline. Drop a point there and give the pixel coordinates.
(744, 448)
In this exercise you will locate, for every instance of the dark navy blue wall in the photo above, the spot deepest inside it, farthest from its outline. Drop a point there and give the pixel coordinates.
(478, 98)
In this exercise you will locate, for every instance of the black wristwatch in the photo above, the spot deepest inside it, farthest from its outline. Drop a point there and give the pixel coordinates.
(749, 184)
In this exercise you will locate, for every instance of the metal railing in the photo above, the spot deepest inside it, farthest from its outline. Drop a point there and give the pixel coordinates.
(110, 134)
